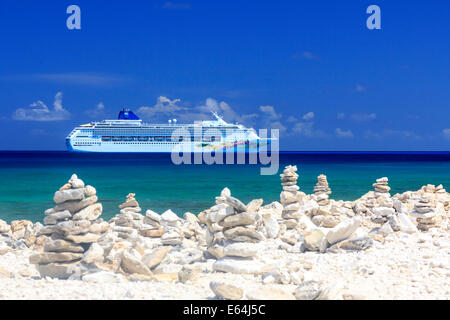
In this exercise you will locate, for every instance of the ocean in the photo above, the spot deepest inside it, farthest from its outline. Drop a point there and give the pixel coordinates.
(28, 180)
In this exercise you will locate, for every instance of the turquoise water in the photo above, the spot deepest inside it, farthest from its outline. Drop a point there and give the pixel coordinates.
(28, 180)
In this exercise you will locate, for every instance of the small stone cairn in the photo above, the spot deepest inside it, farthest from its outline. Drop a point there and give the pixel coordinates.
(381, 187)
(425, 213)
(290, 197)
(322, 190)
(232, 235)
(73, 228)
(129, 220)
(171, 224)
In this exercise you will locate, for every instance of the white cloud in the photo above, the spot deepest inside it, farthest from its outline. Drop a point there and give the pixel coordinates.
(390, 133)
(401, 133)
(269, 111)
(74, 78)
(98, 111)
(309, 55)
(360, 88)
(176, 5)
(271, 119)
(164, 107)
(38, 111)
(446, 133)
(305, 55)
(308, 116)
(363, 117)
(57, 104)
(277, 125)
(344, 133)
(307, 129)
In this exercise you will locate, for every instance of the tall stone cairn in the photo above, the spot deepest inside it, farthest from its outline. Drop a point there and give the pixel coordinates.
(426, 215)
(232, 235)
(72, 227)
(129, 220)
(381, 187)
(290, 197)
(322, 190)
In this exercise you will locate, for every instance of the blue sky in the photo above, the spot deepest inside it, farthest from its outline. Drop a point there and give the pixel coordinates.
(310, 68)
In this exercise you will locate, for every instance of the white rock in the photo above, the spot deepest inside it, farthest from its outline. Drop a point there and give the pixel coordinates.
(71, 194)
(307, 223)
(343, 230)
(91, 212)
(54, 217)
(169, 216)
(4, 227)
(77, 183)
(406, 225)
(308, 290)
(240, 266)
(272, 227)
(153, 215)
(240, 249)
(94, 254)
(383, 211)
(268, 279)
(310, 206)
(90, 191)
(386, 229)
(132, 264)
(224, 211)
(225, 193)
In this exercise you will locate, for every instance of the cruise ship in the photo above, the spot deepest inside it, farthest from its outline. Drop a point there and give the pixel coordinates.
(129, 134)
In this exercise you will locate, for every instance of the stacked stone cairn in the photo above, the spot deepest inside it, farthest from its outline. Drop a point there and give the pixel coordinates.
(425, 213)
(382, 206)
(129, 220)
(290, 197)
(322, 190)
(73, 228)
(437, 194)
(171, 224)
(381, 187)
(232, 236)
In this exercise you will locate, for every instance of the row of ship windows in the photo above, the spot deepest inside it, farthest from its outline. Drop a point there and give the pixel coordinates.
(127, 143)
(170, 139)
(156, 132)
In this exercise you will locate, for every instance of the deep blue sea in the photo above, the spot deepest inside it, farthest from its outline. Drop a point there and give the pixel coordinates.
(28, 180)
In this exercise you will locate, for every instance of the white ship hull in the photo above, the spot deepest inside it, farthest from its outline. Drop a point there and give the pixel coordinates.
(109, 147)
